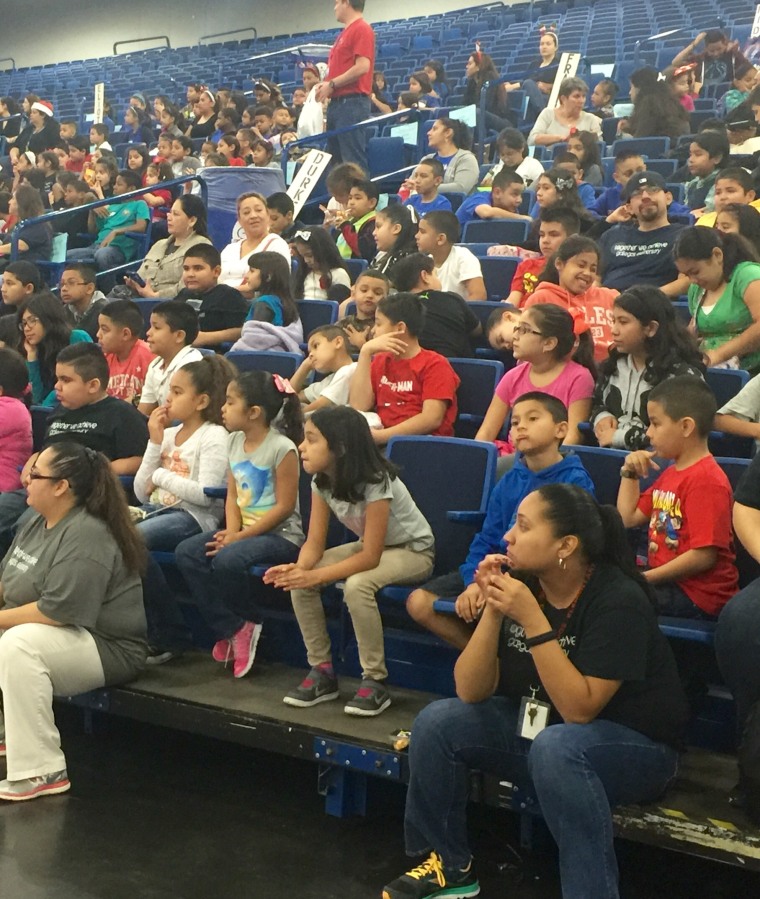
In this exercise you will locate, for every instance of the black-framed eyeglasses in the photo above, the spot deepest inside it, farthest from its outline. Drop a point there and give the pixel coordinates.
(71, 283)
(526, 329)
(28, 322)
(35, 475)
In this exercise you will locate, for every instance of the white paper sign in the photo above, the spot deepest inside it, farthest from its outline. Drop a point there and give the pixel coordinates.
(755, 33)
(568, 66)
(314, 164)
(100, 100)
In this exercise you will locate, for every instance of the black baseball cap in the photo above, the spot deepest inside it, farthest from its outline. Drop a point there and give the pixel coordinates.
(641, 180)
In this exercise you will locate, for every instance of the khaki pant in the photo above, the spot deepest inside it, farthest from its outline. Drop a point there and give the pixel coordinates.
(398, 565)
(37, 662)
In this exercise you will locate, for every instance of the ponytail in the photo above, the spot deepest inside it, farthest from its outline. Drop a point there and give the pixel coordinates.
(211, 375)
(270, 393)
(96, 488)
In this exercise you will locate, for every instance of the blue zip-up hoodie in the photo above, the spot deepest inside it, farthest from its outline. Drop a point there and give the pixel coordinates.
(507, 495)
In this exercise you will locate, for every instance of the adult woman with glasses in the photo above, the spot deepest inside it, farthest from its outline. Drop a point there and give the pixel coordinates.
(72, 617)
(43, 333)
(162, 267)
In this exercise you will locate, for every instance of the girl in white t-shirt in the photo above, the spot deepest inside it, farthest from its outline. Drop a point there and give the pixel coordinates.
(321, 274)
(357, 484)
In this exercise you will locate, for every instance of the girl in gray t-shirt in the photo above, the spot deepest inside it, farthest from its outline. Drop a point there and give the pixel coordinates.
(263, 524)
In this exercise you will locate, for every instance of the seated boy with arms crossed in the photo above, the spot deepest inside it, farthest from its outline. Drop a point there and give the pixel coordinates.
(539, 425)
(688, 508)
(413, 391)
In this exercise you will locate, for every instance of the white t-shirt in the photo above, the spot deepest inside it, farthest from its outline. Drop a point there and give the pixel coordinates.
(235, 262)
(462, 265)
(156, 386)
(334, 387)
(312, 290)
(529, 170)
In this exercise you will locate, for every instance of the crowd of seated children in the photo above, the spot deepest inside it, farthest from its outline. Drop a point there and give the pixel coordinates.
(369, 289)
(724, 295)
(449, 326)
(173, 328)
(649, 345)
(425, 181)
(273, 321)
(501, 202)
(410, 390)
(538, 427)
(82, 301)
(554, 353)
(43, 332)
(357, 484)
(687, 509)
(320, 273)
(513, 155)
(456, 267)
(15, 420)
(356, 239)
(395, 236)
(262, 523)
(120, 324)
(555, 224)
(221, 309)
(569, 280)
(328, 355)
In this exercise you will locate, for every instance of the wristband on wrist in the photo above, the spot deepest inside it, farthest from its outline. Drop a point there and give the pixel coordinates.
(628, 473)
(546, 637)
(332, 85)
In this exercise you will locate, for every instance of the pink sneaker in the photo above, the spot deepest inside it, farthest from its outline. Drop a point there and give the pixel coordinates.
(244, 644)
(222, 651)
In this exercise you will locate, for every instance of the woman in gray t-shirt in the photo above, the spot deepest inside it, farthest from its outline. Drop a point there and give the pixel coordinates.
(72, 617)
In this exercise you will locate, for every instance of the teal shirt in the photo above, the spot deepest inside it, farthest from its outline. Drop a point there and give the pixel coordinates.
(39, 398)
(122, 215)
(274, 304)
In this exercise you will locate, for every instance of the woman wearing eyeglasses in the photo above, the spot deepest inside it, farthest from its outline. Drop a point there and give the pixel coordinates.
(43, 333)
(72, 617)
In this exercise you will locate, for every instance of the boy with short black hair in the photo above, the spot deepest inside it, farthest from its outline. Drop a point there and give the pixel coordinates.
(627, 164)
(263, 121)
(173, 328)
(500, 328)
(330, 356)
(603, 98)
(368, 290)
(99, 135)
(733, 185)
(425, 180)
(82, 302)
(78, 154)
(281, 211)
(68, 129)
(688, 508)
(120, 325)
(221, 309)
(457, 268)
(357, 233)
(20, 280)
(450, 326)
(502, 202)
(181, 157)
(412, 390)
(538, 427)
(555, 224)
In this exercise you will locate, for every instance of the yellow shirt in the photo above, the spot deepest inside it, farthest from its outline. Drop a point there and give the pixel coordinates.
(708, 219)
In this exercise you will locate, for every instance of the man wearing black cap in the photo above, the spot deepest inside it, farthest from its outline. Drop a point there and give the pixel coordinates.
(741, 128)
(642, 252)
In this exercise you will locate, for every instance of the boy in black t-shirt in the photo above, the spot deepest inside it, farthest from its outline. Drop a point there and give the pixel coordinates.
(450, 325)
(221, 309)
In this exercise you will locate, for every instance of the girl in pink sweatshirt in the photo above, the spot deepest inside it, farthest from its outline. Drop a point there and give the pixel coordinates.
(15, 420)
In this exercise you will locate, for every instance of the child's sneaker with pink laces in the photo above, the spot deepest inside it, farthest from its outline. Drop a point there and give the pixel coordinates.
(244, 644)
(369, 700)
(319, 685)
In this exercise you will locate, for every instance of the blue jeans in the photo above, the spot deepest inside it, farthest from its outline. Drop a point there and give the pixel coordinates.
(536, 100)
(673, 600)
(12, 507)
(103, 258)
(578, 771)
(351, 146)
(737, 647)
(220, 585)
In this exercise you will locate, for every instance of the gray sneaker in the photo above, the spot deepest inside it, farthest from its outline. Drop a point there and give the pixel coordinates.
(316, 687)
(370, 699)
(32, 787)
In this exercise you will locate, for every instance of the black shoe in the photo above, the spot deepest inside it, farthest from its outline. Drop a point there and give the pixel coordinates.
(431, 881)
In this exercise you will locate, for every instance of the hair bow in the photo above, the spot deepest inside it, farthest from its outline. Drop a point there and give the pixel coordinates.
(565, 183)
(283, 385)
(580, 325)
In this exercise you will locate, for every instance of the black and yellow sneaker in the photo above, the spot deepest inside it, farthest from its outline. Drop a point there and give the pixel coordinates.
(430, 880)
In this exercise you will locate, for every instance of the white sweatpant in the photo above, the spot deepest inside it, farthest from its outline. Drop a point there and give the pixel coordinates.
(37, 662)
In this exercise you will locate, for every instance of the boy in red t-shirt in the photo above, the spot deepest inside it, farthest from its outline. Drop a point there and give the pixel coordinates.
(413, 391)
(120, 324)
(688, 508)
(555, 225)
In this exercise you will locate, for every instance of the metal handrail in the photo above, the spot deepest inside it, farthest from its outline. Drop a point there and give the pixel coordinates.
(204, 37)
(134, 194)
(481, 122)
(142, 40)
(9, 59)
(299, 48)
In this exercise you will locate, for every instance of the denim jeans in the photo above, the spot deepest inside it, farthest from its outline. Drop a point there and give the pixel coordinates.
(103, 258)
(578, 771)
(673, 600)
(220, 585)
(351, 146)
(536, 99)
(12, 507)
(737, 647)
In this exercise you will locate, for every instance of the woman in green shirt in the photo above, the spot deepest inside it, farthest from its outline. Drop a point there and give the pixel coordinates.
(724, 295)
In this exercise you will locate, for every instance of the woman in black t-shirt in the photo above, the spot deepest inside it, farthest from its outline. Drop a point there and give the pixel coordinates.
(581, 652)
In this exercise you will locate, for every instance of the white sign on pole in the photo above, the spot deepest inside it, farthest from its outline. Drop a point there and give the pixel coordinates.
(568, 66)
(755, 33)
(314, 164)
(100, 100)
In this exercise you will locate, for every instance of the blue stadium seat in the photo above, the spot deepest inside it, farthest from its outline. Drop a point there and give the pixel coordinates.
(496, 231)
(478, 380)
(498, 272)
(355, 267)
(385, 154)
(284, 364)
(603, 465)
(315, 313)
(147, 306)
(656, 147)
(725, 383)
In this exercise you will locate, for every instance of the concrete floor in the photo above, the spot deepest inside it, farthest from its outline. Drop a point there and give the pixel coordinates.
(157, 814)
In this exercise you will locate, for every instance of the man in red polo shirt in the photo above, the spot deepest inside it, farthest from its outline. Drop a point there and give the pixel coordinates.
(348, 83)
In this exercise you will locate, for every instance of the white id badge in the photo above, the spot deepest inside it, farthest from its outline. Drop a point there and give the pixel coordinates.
(533, 717)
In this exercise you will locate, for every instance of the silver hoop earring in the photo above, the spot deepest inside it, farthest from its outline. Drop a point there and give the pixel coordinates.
(561, 562)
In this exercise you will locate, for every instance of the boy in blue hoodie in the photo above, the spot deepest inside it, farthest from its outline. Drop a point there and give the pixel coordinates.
(539, 425)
